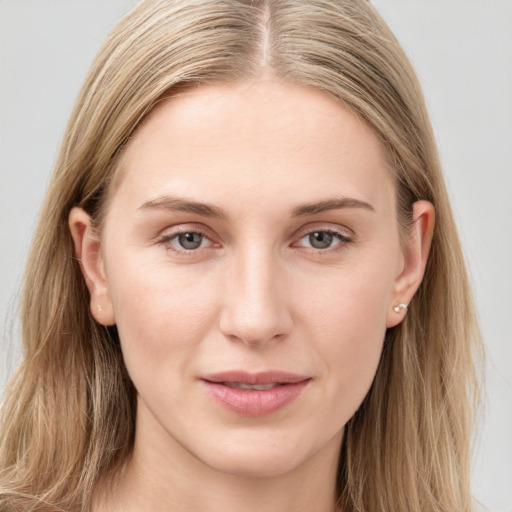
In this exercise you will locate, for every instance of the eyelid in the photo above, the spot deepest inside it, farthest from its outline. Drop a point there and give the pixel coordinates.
(164, 238)
(344, 235)
(341, 231)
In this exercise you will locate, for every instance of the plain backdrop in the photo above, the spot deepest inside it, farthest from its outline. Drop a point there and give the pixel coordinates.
(462, 51)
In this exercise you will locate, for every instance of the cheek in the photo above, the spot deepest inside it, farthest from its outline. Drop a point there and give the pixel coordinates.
(353, 340)
(349, 320)
(158, 312)
(349, 304)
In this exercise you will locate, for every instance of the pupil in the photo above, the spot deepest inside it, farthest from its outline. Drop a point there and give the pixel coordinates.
(190, 240)
(320, 239)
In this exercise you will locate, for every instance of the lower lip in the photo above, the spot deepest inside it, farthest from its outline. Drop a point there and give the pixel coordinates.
(252, 402)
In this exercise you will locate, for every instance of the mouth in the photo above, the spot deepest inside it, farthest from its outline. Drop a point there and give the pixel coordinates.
(255, 395)
(256, 387)
(266, 378)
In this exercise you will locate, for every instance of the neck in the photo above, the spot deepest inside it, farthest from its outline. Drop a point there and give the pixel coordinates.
(167, 477)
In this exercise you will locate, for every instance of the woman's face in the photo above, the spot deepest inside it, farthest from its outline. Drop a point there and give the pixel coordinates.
(251, 259)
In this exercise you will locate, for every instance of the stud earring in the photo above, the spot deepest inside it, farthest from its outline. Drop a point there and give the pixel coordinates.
(399, 308)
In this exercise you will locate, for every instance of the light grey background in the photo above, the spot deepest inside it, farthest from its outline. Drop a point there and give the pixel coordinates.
(462, 51)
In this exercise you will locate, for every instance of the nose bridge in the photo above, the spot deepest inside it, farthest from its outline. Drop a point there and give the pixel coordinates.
(255, 309)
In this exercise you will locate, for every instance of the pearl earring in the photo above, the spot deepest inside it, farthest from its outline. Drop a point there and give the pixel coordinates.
(399, 308)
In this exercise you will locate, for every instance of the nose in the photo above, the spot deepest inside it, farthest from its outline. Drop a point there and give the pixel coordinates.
(255, 301)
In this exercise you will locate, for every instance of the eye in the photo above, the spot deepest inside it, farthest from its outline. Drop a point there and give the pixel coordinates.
(323, 239)
(185, 241)
(189, 241)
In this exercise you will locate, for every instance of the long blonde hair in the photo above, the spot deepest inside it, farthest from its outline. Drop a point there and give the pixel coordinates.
(69, 414)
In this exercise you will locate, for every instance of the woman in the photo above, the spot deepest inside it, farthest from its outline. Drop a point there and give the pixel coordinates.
(199, 334)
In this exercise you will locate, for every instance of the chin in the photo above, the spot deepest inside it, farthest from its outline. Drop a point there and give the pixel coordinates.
(255, 465)
(247, 454)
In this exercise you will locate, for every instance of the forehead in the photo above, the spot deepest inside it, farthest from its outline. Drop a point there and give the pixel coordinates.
(269, 136)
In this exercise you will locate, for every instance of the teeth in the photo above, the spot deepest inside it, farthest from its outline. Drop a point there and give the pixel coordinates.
(257, 387)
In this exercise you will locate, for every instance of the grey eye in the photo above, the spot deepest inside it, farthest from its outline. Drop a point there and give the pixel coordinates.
(320, 239)
(190, 240)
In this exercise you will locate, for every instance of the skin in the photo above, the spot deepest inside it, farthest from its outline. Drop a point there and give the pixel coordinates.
(255, 295)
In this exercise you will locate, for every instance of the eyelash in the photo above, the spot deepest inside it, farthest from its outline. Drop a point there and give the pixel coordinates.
(342, 240)
(166, 241)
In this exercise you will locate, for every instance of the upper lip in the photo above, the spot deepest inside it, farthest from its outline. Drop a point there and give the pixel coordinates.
(265, 377)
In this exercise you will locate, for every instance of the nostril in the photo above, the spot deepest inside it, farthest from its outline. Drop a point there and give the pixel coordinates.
(256, 332)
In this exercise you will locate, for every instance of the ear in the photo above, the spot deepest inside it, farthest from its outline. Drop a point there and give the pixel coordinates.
(415, 254)
(87, 249)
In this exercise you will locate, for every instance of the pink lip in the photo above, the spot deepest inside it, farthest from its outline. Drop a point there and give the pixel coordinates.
(251, 402)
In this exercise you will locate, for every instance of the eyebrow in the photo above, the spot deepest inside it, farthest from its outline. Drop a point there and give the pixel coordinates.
(208, 210)
(184, 205)
(330, 204)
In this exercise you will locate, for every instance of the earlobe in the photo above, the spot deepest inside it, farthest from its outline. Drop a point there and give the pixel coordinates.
(87, 250)
(415, 255)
